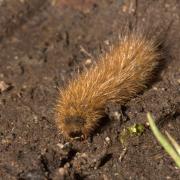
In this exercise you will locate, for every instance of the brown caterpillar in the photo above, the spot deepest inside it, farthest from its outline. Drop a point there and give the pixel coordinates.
(118, 76)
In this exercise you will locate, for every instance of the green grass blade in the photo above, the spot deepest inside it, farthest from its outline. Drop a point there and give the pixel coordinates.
(163, 141)
(173, 142)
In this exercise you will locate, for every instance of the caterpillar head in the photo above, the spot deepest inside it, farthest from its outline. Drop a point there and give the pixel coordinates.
(74, 126)
(77, 120)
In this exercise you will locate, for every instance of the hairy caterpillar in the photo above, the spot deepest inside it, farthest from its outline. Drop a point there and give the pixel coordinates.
(118, 76)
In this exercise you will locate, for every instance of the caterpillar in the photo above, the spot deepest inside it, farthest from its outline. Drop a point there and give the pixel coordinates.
(117, 76)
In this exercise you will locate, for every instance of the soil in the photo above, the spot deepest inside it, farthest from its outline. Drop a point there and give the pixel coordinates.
(41, 44)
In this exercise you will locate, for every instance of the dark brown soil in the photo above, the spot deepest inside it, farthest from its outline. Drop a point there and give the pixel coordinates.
(41, 43)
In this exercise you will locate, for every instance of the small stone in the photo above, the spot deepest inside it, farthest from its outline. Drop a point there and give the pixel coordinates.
(108, 140)
(147, 124)
(106, 42)
(117, 115)
(16, 57)
(64, 146)
(83, 155)
(88, 62)
(62, 171)
(3, 86)
(155, 88)
(67, 165)
(60, 145)
(35, 118)
(67, 145)
(24, 87)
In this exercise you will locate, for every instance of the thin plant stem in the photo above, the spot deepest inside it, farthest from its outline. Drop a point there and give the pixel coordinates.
(173, 142)
(163, 141)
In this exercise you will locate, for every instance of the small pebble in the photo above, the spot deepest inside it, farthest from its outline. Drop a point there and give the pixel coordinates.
(64, 146)
(84, 155)
(108, 140)
(147, 124)
(116, 115)
(16, 57)
(60, 145)
(3, 86)
(155, 88)
(67, 165)
(106, 42)
(62, 171)
(88, 62)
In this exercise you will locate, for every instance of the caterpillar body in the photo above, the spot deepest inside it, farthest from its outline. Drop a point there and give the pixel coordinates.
(116, 77)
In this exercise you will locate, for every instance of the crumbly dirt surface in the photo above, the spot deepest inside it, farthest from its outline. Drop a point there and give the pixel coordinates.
(41, 43)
